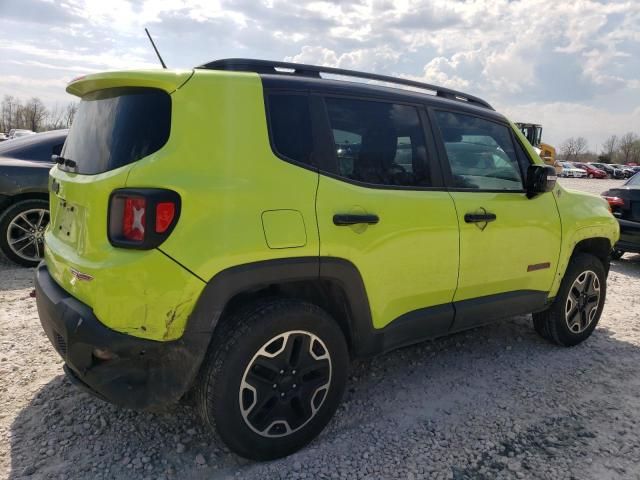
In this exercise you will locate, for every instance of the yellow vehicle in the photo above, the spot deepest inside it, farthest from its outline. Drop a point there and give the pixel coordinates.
(533, 132)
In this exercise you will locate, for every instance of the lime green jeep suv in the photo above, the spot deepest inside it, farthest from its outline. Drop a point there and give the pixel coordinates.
(242, 230)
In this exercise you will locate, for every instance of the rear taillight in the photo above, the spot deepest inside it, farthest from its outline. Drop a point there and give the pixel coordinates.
(614, 201)
(142, 218)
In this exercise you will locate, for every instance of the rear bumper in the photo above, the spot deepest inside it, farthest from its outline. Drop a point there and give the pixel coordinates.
(629, 236)
(145, 373)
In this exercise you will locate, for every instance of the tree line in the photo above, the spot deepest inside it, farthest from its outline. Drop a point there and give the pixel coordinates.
(33, 115)
(616, 149)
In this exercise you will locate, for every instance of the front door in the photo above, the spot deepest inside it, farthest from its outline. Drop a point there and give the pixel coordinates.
(381, 205)
(509, 244)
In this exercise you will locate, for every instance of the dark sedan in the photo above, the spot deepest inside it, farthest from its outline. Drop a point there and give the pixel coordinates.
(625, 205)
(24, 202)
(612, 171)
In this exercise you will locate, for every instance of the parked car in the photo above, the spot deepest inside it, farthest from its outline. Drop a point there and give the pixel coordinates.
(19, 132)
(250, 274)
(592, 172)
(625, 205)
(612, 171)
(627, 171)
(568, 170)
(24, 201)
(3, 137)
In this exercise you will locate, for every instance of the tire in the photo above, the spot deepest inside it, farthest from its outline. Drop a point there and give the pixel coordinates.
(242, 393)
(18, 224)
(616, 254)
(591, 175)
(575, 326)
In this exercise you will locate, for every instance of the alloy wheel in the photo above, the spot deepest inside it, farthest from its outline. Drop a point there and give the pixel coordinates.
(582, 302)
(25, 234)
(285, 383)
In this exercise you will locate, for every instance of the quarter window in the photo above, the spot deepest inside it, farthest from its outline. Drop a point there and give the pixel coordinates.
(290, 123)
(378, 143)
(480, 153)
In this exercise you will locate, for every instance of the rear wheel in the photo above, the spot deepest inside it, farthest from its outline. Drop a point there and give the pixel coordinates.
(591, 175)
(274, 378)
(22, 228)
(575, 311)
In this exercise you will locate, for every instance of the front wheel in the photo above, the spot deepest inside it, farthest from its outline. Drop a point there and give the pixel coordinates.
(22, 228)
(575, 311)
(591, 175)
(273, 378)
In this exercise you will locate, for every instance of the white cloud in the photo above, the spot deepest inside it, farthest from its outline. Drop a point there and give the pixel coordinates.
(572, 64)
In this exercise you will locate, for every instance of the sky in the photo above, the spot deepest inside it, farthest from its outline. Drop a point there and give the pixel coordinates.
(573, 66)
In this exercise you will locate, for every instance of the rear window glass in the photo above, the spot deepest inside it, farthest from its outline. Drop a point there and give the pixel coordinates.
(117, 126)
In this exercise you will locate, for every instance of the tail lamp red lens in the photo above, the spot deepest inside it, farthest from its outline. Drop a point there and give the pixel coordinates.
(614, 201)
(133, 218)
(142, 218)
(165, 211)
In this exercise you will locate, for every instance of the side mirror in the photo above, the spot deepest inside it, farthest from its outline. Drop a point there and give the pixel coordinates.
(540, 179)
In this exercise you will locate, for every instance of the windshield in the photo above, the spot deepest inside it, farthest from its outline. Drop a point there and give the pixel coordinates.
(117, 126)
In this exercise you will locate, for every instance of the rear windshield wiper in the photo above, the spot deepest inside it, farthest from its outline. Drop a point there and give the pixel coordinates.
(60, 160)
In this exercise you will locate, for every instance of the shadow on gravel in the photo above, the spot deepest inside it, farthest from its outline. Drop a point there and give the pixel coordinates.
(438, 394)
(13, 277)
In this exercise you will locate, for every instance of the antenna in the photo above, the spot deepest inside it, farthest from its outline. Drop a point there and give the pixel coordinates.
(154, 47)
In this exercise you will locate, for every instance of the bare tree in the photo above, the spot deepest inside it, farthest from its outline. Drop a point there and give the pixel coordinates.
(635, 153)
(56, 118)
(572, 148)
(610, 147)
(70, 113)
(627, 146)
(35, 112)
(8, 113)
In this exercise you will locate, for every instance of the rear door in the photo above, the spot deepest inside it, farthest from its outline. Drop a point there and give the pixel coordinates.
(509, 244)
(381, 205)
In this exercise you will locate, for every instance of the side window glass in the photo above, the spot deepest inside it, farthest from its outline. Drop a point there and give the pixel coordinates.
(379, 143)
(290, 124)
(480, 152)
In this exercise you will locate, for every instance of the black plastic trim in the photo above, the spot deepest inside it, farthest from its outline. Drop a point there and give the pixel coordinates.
(298, 69)
(480, 311)
(479, 217)
(354, 219)
(145, 373)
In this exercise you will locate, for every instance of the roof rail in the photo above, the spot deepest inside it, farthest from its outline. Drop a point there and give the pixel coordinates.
(287, 68)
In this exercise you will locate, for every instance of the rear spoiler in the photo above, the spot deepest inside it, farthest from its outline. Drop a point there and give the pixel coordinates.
(167, 80)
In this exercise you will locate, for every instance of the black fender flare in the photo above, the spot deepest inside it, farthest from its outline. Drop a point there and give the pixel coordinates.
(230, 282)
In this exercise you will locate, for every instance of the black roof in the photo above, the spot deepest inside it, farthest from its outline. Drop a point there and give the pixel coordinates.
(311, 74)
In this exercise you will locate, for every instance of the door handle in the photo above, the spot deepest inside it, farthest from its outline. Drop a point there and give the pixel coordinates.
(479, 217)
(342, 219)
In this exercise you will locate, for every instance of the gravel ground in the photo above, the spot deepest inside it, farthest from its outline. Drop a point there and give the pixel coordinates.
(496, 402)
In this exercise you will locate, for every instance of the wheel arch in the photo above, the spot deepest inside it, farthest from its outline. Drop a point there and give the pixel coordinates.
(7, 201)
(333, 284)
(598, 246)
